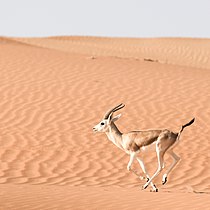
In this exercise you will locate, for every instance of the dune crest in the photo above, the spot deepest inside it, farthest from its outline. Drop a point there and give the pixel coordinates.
(192, 52)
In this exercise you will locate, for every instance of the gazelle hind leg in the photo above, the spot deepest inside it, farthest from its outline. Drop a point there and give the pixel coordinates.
(175, 161)
(160, 154)
(141, 163)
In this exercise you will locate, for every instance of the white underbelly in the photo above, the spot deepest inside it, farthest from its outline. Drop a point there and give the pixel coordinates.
(148, 148)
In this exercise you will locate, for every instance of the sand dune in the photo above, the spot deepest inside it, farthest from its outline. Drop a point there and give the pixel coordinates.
(177, 51)
(54, 90)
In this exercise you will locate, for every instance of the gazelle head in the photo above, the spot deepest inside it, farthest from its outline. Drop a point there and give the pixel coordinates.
(108, 119)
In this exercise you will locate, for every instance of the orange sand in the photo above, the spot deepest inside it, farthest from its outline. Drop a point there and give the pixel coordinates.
(54, 90)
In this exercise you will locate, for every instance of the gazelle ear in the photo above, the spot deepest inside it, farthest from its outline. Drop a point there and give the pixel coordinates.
(116, 118)
(110, 117)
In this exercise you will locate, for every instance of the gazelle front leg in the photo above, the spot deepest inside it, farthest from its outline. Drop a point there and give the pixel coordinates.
(141, 163)
(132, 157)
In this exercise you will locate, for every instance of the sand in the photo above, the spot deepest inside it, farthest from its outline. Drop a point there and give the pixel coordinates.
(54, 90)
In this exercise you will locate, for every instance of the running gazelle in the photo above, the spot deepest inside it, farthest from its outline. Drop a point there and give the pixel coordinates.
(135, 142)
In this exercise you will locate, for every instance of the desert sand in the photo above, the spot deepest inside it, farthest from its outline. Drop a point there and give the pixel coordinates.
(54, 90)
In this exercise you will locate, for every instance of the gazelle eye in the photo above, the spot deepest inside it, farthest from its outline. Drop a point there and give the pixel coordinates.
(102, 123)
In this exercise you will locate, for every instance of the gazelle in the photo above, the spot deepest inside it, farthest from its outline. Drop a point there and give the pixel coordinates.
(135, 142)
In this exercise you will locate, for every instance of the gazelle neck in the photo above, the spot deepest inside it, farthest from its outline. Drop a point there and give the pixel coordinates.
(115, 135)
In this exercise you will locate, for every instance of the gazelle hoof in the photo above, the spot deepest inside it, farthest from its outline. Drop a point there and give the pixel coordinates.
(154, 190)
(142, 178)
(164, 180)
(145, 186)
